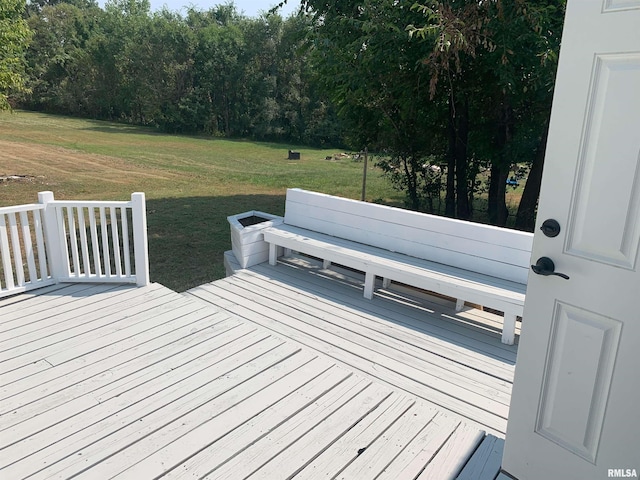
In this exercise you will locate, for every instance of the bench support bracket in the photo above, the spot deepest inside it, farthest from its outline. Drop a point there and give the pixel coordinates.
(509, 328)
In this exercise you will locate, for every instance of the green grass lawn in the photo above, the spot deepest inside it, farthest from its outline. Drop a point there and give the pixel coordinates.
(192, 183)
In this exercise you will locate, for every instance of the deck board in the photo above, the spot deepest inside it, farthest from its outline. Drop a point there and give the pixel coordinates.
(272, 373)
(378, 337)
(414, 345)
(370, 362)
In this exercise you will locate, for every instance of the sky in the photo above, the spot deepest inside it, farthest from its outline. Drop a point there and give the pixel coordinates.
(251, 8)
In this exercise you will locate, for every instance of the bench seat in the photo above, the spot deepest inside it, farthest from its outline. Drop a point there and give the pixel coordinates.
(493, 292)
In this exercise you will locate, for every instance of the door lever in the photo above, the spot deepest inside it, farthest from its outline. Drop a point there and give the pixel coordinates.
(545, 266)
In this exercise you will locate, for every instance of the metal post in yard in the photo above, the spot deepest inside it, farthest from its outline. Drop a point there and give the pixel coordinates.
(364, 175)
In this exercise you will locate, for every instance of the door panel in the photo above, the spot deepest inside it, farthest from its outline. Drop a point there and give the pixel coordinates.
(612, 121)
(578, 379)
(574, 407)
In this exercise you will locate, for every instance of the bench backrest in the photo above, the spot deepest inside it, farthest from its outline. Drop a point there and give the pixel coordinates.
(485, 249)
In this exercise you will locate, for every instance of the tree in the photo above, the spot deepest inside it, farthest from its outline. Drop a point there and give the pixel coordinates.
(14, 39)
(509, 47)
(371, 69)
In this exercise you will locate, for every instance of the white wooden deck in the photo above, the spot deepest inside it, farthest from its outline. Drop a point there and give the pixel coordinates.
(417, 343)
(286, 374)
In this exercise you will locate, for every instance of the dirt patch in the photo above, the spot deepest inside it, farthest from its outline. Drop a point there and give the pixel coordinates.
(52, 161)
(17, 178)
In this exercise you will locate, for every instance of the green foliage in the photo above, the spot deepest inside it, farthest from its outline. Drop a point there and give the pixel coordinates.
(459, 83)
(215, 72)
(14, 38)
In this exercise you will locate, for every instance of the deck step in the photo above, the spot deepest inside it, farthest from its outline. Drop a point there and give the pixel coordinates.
(485, 462)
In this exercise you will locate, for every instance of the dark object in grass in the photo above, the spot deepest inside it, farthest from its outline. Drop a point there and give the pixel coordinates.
(252, 220)
(294, 155)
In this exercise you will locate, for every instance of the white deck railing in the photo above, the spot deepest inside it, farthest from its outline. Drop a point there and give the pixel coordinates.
(73, 241)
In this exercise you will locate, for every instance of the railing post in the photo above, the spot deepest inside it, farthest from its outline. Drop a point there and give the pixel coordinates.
(140, 247)
(53, 247)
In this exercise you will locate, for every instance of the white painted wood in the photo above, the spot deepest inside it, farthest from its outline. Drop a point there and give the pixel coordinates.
(409, 247)
(73, 240)
(40, 245)
(440, 239)
(224, 412)
(98, 411)
(401, 326)
(418, 454)
(485, 462)
(484, 290)
(345, 450)
(399, 317)
(247, 243)
(30, 328)
(574, 412)
(28, 247)
(106, 257)
(450, 459)
(140, 244)
(379, 366)
(52, 236)
(359, 331)
(260, 458)
(194, 394)
(17, 249)
(121, 326)
(13, 307)
(116, 240)
(95, 246)
(330, 428)
(127, 422)
(381, 453)
(84, 245)
(7, 263)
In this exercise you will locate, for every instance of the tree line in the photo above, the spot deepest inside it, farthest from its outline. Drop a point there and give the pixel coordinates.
(443, 90)
(215, 72)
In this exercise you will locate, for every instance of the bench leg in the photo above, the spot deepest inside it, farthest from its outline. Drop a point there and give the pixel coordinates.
(326, 264)
(369, 280)
(459, 304)
(386, 283)
(273, 254)
(509, 328)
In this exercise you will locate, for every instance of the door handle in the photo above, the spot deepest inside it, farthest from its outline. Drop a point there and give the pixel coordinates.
(545, 266)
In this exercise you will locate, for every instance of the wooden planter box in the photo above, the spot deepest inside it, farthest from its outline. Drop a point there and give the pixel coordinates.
(247, 240)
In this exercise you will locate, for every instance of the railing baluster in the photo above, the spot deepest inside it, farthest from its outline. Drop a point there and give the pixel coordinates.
(125, 241)
(62, 232)
(116, 241)
(6, 256)
(38, 240)
(105, 243)
(17, 251)
(84, 245)
(73, 238)
(94, 242)
(42, 253)
(28, 247)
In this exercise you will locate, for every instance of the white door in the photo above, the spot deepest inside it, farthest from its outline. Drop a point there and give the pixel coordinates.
(575, 409)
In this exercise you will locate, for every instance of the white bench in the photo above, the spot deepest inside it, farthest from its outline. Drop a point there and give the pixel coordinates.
(471, 262)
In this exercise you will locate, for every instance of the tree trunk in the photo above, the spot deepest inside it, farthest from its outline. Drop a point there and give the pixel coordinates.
(462, 136)
(526, 216)
(412, 184)
(450, 198)
(497, 208)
